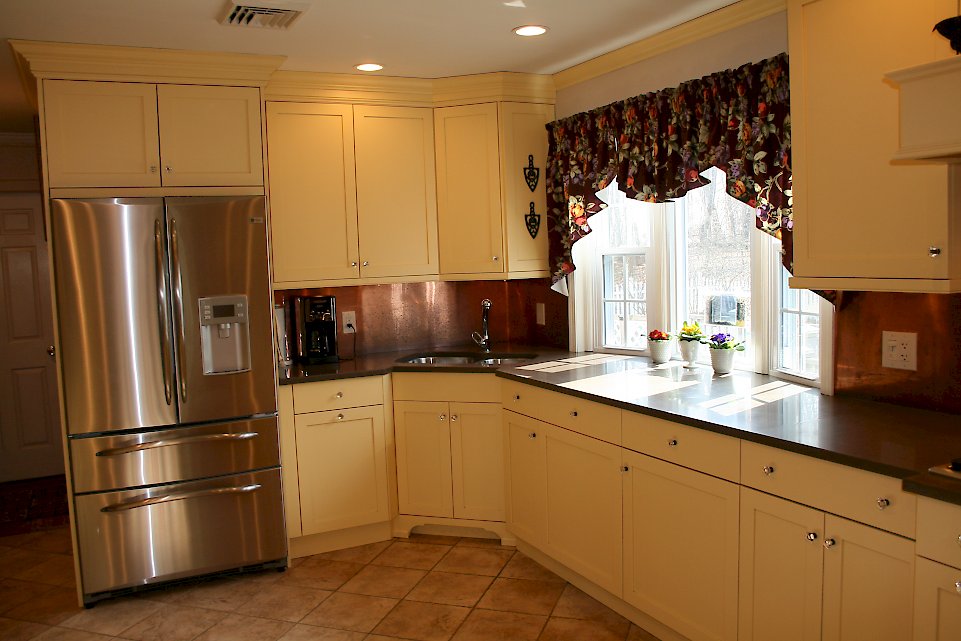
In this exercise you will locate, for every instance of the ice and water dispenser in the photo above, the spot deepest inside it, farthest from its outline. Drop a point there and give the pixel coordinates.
(224, 334)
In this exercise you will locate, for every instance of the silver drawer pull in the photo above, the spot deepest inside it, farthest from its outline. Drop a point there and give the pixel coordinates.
(829, 543)
(812, 536)
(339, 395)
(625, 468)
(959, 539)
(768, 470)
(883, 503)
(453, 417)
(179, 496)
(442, 417)
(532, 435)
(183, 440)
(340, 417)
(672, 443)
(957, 586)
(574, 414)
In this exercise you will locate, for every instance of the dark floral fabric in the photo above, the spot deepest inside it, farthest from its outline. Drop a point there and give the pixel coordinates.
(657, 144)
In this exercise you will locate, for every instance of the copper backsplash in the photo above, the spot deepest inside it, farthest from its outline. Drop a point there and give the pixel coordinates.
(860, 319)
(430, 315)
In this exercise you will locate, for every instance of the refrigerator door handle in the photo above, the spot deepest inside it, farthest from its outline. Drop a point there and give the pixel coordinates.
(166, 351)
(179, 496)
(179, 310)
(185, 440)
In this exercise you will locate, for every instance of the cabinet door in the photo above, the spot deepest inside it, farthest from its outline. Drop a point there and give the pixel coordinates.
(937, 602)
(522, 139)
(681, 547)
(101, 134)
(468, 190)
(396, 199)
(210, 136)
(584, 506)
(477, 453)
(422, 436)
(781, 565)
(848, 194)
(868, 583)
(313, 198)
(526, 440)
(342, 468)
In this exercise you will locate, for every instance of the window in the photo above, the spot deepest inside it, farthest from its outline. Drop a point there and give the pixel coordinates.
(701, 259)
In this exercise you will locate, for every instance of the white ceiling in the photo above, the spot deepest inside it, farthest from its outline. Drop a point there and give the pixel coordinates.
(413, 38)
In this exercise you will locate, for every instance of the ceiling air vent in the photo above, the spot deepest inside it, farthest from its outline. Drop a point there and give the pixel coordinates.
(273, 15)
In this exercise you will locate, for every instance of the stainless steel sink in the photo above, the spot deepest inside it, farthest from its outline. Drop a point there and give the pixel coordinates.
(484, 360)
(439, 359)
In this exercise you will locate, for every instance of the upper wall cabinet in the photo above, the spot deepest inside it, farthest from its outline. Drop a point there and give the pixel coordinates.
(120, 134)
(351, 193)
(484, 198)
(863, 221)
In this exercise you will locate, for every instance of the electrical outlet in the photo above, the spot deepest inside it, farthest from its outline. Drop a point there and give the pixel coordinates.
(541, 315)
(350, 322)
(899, 350)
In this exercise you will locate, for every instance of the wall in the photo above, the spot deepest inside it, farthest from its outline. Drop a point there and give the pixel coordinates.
(859, 320)
(414, 316)
(748, 43)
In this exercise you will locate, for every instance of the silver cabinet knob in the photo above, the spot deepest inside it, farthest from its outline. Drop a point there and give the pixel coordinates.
(442, 417)
(366, 263)
(168, 169)
(672, 443)
(517, 397)
(353, 263)
(339, 395)
(957, 586)
(453, 417)
(812, 536)
(574, 414)
(340, 417)
(959, 539)
(51, 351)
(829, 543)
(934, 252)
(625, 469)
(768, 470)
(532, 435)
(495, 258)
(883, 503)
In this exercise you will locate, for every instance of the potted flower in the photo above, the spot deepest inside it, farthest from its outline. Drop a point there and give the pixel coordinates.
(689, 338)
(660, 344)
(722, 352)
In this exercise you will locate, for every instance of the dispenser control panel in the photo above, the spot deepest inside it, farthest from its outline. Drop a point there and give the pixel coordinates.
(224, 334)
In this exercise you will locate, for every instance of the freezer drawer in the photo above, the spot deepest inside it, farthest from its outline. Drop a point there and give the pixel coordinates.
(138, 537)
(167, 456)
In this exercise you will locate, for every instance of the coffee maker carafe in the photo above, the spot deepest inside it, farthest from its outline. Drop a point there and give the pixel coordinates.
(315, 329)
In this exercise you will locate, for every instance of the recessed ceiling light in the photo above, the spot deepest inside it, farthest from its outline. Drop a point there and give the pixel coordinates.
(530, 30)
(369, 66)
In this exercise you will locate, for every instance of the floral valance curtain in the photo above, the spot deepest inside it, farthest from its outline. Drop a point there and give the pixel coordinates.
(657, 144)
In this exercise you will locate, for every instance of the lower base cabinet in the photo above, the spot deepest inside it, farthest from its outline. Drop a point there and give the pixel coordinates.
(937, 602)
(807, 575)
(681, 548)
(342, 468)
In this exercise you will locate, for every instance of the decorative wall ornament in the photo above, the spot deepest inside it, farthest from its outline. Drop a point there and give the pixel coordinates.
(531, 173)
(533, 220)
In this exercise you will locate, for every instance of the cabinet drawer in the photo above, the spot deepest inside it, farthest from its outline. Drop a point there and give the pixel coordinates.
(585, 417)
(939, 531)
(704, 451)
(339, 394)
(446, 386)
(846, 491)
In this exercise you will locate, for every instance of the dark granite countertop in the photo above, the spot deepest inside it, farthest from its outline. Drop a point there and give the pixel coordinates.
(888, 439)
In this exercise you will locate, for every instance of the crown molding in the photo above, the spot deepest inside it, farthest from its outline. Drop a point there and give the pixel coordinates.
(487, 87)
(349, 88)
(724, 19)
(39, 60)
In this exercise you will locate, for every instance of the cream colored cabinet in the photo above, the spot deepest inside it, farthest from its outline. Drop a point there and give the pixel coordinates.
(107, 134)
(681, 547)
(484, 200)
(396, 191)
(335, 451)
(937, 586)
(313, 197)
(848, 194)
(450, 454)
(526, 442)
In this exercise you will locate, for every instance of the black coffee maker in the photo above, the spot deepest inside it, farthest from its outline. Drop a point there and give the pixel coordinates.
(315, 328)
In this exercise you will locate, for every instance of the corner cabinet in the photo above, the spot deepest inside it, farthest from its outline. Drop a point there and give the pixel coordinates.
(863, 221)
(120, 134)
(351, 193)
(483, 198)
(937, 583)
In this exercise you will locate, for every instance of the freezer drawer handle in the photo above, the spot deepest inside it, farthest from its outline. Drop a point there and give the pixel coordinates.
(166, 352)
(184, 440)
(179, 496)
(179, 306)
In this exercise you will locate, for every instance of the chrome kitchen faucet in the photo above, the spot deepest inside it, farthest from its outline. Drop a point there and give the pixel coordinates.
(482, 338)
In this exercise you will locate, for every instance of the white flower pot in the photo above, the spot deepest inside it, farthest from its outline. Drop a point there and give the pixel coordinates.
(660, 351)
(689, 352)
(722, 360)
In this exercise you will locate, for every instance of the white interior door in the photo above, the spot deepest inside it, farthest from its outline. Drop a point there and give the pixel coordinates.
(30, 441)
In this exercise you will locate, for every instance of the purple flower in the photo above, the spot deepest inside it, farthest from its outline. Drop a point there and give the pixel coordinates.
(720, 338)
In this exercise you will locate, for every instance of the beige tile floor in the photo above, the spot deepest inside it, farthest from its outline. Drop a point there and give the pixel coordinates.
(426, 588)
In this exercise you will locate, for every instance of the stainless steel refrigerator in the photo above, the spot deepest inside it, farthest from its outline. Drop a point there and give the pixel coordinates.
(164, 316)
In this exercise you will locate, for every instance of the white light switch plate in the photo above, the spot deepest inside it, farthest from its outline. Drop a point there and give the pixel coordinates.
(899, 350)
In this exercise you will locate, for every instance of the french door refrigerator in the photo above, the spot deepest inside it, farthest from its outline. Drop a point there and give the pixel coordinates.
(166, 355)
